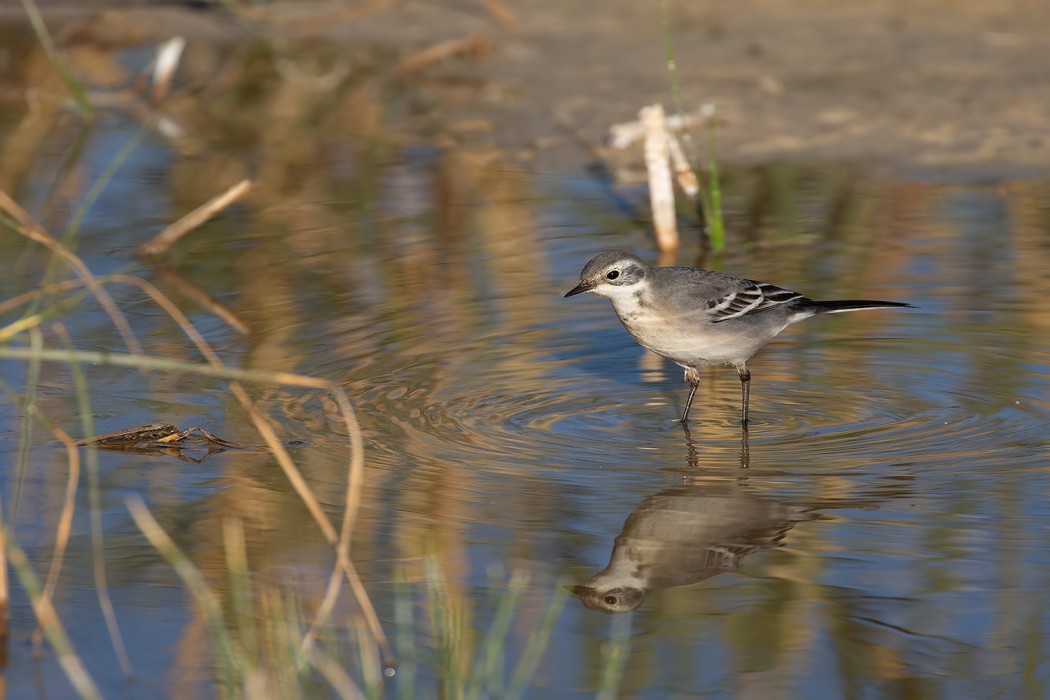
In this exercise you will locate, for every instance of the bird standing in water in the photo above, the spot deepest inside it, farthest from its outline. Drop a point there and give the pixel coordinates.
(697, 317)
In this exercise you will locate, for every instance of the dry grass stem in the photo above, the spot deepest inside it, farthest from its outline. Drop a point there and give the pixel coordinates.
(354, 483)
(169, 236)
(163, 364)
(20, 326)
(21, 299)
(33, 231)
(64, 526)
(47, 616)
(355, 476)
(65, 519)
(661, 188)
(340, 540)
(184, 286)
(191, 291)
(341, 547)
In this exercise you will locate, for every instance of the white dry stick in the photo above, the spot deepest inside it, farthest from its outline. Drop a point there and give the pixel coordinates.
(684, 173)
(167, 62)
(626, 133)
(661, 188)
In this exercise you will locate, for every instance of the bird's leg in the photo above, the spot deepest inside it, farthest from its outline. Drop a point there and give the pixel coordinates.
(693, 377)
(745, 390)
(745, 448)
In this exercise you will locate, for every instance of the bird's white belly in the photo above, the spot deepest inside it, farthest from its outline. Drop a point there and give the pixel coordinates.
(693, 340)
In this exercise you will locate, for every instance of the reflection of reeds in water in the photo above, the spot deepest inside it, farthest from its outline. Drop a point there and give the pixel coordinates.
(35, 352)
(459, 662)
(262, 638)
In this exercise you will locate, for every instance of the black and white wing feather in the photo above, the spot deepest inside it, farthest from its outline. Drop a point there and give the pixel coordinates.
(752, 298)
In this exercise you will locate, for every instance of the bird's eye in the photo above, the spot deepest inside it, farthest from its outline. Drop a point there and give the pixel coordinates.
(610, 600)
(612, 274)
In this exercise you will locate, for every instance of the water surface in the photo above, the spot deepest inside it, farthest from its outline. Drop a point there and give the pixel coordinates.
(880, 534)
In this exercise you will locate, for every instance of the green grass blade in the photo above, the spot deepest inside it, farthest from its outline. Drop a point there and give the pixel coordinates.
(537, 644)
(48, 44)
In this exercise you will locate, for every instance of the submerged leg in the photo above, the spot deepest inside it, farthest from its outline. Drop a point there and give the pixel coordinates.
(693, 377)
(745, 389)
(745, 448)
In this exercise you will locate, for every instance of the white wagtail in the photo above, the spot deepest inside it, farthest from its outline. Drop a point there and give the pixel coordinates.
(698, 317)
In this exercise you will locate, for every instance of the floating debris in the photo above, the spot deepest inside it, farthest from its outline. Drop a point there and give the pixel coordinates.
(152, 435)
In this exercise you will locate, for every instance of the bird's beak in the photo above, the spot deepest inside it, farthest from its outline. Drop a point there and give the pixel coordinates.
(580, 289)
(579, 590)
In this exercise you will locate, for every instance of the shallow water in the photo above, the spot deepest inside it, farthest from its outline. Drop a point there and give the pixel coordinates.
(880, 534)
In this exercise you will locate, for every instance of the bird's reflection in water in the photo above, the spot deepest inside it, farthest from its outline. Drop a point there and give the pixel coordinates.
(689, 533)
(682, 536)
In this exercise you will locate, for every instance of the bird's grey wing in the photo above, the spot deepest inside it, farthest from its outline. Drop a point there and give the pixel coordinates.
(750, 297)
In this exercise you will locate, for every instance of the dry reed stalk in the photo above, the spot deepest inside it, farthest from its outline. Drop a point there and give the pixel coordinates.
(162, 364)
(169, 236)
(197, 295)
(16, 301)
(185, 287)
(33, 231)
(48, 617)
(354, 482)
(20, 326)
(339, 680)
(355, 477)
(661, 188)
(340, 541)
(64, 527)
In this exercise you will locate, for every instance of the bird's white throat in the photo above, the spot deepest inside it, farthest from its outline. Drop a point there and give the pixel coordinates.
(628, 299)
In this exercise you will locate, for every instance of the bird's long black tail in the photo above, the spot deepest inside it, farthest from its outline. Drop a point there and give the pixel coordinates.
(834, 307)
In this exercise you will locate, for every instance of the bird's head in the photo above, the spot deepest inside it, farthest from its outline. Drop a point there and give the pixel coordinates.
(613, 274)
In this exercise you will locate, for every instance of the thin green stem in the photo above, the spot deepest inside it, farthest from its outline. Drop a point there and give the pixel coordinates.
(48, 44)
(715, 220)
(537, 644)
(676, 90)
(709, 192)
(98, 543)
